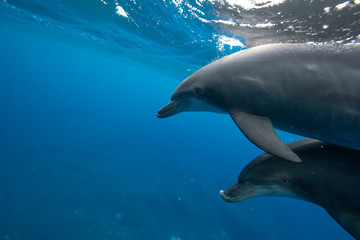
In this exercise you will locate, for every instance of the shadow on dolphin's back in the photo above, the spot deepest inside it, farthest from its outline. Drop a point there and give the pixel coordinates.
(328, 176)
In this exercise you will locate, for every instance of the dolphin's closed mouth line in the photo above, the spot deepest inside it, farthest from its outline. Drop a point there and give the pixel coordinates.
(224, 196)
(232, 199)
(168, 110)
(163, 112)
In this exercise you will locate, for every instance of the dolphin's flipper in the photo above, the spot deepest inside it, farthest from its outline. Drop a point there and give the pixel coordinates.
(260, 131)
(349, 220)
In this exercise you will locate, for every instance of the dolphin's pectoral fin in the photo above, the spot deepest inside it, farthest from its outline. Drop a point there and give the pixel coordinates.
(260, 131)
(350, 221)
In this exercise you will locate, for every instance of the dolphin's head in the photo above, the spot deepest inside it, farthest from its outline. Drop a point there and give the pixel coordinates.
(196, 93)
(263, 177)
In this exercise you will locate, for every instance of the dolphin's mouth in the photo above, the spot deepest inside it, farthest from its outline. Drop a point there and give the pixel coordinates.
(170, 109)
(227, 198)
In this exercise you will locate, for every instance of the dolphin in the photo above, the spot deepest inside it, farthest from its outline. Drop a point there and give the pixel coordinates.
(328, 176)
(306, 89)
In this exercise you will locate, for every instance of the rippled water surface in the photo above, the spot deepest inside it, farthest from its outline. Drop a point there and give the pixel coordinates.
(188, 31)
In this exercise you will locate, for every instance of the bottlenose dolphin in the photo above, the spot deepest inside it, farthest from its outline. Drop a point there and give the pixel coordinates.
(328, 176)
(306, 89)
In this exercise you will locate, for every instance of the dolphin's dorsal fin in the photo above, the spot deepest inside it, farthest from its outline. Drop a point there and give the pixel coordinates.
(260, 131)
(350, 221)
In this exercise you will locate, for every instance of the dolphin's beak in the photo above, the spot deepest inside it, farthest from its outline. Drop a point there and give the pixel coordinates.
(170, 109)
(226, 197)
(239, 192)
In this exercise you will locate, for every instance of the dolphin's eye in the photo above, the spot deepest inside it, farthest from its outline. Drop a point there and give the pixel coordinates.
(197, 90)
(284, 180)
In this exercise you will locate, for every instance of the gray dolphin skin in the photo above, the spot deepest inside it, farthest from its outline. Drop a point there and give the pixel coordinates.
(328, 176)
(306, 89)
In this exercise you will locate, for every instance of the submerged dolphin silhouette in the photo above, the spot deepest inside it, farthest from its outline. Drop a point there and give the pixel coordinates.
(306, 89)
(328, 176)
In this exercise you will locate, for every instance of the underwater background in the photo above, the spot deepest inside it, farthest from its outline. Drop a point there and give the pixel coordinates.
(82, 153)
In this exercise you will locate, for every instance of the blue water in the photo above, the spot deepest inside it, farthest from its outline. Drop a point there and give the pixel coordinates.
(82, 153)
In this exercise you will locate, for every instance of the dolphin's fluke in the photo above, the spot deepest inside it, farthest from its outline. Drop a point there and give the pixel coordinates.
(260, 131)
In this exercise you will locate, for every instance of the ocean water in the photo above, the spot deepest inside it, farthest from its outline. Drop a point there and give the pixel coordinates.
(82, 153)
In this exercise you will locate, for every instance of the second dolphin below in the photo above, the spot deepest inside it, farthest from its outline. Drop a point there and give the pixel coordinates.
(306, 89)
(328, 176)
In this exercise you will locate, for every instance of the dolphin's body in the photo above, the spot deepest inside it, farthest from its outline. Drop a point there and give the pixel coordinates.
(306, 89)
(328, 176)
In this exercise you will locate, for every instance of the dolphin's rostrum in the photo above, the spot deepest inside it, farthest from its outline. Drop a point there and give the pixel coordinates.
(328, 176)
(307, 89)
